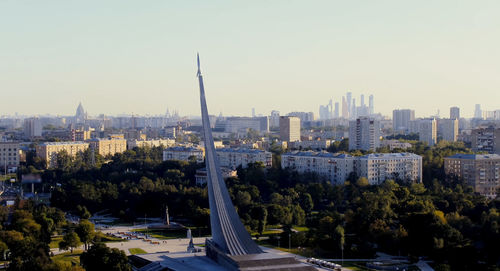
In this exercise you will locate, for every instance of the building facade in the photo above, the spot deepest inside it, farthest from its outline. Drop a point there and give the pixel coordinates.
(401, 119)
(49, 150)
(9, 155)
(482, 172)
(395, 144)
(105, 147)
(364, 134)
(289, 128)
(426, 130)
(378, 167)
(150, 143)
(235, 157)
(184, 154)
(32, 128)
(333, 167)
(336, 168)
(486, 140)
(454, 113)
(448, 129)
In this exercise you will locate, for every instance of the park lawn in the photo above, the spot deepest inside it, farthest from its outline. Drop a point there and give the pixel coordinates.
(300, 229)
(54, 241)
(73, 258)
(135, 251)
(106, 238)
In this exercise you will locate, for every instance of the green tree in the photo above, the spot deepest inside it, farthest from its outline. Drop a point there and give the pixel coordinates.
(70, 241)
(100, 257)
(306, 202)
(85, 231)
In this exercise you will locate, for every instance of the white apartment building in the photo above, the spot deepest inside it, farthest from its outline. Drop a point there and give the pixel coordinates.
(426, 129)
(378, 167)
(395, 144)
(235, 157)
(334, 167)
(184, 153)
(364, 134)
(311, 144)
(375, 167)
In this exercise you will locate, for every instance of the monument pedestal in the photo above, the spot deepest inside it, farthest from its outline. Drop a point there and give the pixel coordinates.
(250, 262)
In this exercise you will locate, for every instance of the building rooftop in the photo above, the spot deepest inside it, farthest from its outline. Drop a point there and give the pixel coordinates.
(389, 155)
(474, 156)
(64, 143)
(318, 154)
(239, 150)
(182, 148)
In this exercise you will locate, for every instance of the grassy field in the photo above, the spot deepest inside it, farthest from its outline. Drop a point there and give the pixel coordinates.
(134, 251)
(73, 258)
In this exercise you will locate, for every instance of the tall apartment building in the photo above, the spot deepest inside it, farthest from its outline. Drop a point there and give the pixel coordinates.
(235, 157)
(364, 134)
(184, 153)
(378, 167)
(32, 128)
(333, 167)
(9, 155)
(486, 139)
(337, 167)
(274, 119)
(482, 172)
(454, 113)
(105, 147)
(289, 129)
(49, 150)
(448, 129)
(401, 119)
(426, 130)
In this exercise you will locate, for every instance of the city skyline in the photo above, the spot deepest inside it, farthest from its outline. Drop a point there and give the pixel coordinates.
(55, 55)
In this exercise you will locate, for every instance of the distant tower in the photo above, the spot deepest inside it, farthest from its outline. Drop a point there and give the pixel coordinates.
(353, 114)
(362, 100)
(455, 113)
(371, 107)
(349, 99)
(80, 114)
(478, 114)
(336, 111)
(345, 108)
(253, 112)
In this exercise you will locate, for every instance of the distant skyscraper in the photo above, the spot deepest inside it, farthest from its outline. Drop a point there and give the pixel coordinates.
(80, 115)
(345, 108)
(253, 112)
(364, 134)
(401, 119)
(274, 120)
(478, 114)
(336, 111)
(362, 100)
(353, 114)
(289, 128)
(454, 113)
(371, 105)
(349, 103)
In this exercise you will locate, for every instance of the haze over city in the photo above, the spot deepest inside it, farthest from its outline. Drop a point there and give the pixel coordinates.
(131, 57)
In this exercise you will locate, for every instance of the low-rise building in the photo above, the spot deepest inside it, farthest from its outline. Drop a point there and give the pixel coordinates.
(482, 172)
(486, 139)
(201, 174)
(395, 144)
(311, 144)
(378, 167)
(150, 143)
(334, 167)
(49, 150)
(184, 153)
(337, 167)
(235, 157)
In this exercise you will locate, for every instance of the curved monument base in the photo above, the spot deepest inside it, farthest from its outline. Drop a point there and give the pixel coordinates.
(250, 262)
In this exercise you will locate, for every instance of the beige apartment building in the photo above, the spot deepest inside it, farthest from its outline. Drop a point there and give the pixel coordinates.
(150, 143)
(105, 147)
(49, 150)
(482, 172)
(289, 129)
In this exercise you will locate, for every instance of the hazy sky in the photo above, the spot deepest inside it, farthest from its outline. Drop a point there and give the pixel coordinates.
(140, 56)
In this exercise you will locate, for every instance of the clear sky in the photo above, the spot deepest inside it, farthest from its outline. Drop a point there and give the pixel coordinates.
(140, 56)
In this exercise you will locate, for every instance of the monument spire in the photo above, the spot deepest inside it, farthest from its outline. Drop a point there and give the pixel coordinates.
(228, 233)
